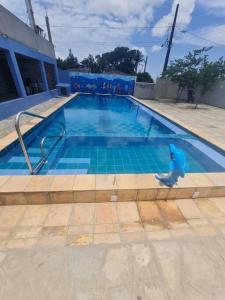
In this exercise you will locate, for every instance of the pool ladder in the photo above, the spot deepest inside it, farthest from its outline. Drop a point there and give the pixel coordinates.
(34, 170)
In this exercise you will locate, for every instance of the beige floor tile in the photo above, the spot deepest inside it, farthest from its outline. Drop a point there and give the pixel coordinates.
(198, 222)
(27, 232)
(5, 232)
(63, 183)
(80, 239)
(82, 213)
(80, 229)
(126, 181)
(149, 212)
(54, 230)
(39, 183)
(208, 208)
(218, 221)
(106, 238)
(59, 215)
(131, 227)
(176, 225)
(152, 227)
(159, 235)
(34, 215)
(51, 241)
(188, 208)
(105, 213)
(204, 230)
(219, 203)
(106, 228)
(127, 212)
(3, 244)
(21, 243)
(15, 184)
(170, 211)
(132, 237)
(181, 232)
(11, 215)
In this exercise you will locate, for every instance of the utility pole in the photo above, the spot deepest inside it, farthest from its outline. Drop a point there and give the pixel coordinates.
(48, 28)
(30, 14)
(170, 40)
(146, 60)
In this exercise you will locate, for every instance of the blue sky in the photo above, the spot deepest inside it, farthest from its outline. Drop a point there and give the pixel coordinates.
(97, 26)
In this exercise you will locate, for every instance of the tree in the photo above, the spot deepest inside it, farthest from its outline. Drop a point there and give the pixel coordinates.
(195, 70)
(91, 64)
(144, 77)
(69, 63)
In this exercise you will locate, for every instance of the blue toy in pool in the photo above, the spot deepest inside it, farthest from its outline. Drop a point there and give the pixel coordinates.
(177, 167)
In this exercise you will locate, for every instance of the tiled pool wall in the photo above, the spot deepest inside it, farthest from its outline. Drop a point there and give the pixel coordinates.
(43, 189)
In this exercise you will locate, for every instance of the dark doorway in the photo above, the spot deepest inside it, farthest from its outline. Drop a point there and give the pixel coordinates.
(31, 74)
(50, 74)
(7, 87)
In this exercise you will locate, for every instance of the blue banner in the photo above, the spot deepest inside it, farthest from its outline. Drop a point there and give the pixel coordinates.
(102, 83)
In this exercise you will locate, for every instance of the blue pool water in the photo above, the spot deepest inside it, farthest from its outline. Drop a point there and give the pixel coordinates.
(110, 134)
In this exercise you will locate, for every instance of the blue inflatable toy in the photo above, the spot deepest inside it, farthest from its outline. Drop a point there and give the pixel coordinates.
(177, 167)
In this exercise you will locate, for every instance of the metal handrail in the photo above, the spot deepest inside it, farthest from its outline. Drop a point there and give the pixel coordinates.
(44, 155)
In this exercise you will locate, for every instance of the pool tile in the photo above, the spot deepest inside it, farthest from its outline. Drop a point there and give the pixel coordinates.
(208, 208)
(82, 213)
(105, 213)
(59, 215)
(127, 212)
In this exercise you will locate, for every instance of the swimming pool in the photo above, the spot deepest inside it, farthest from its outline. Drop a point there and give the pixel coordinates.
(110, 134)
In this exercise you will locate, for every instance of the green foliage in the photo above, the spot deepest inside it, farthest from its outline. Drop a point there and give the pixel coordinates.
(195, 70)
(69, 63)
(91, 63)
(144, 77)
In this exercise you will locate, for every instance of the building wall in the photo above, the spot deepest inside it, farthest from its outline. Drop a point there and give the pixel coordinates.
(144, 90)
(20, 32)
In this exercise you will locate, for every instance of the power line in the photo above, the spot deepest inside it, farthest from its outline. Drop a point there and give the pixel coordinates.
(202, 38)
(107, 27)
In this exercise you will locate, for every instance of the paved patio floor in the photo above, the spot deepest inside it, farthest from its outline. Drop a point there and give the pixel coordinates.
(130, 251)
(207, 119)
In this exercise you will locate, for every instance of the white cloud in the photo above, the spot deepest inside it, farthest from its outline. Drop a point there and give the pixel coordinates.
(214, 7)
(102, 14)
(183, 19)
(206, 36)
(156, 48)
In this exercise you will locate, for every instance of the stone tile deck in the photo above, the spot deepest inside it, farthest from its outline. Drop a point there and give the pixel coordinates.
(207, 119)
(106, 223)
(107, 251)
